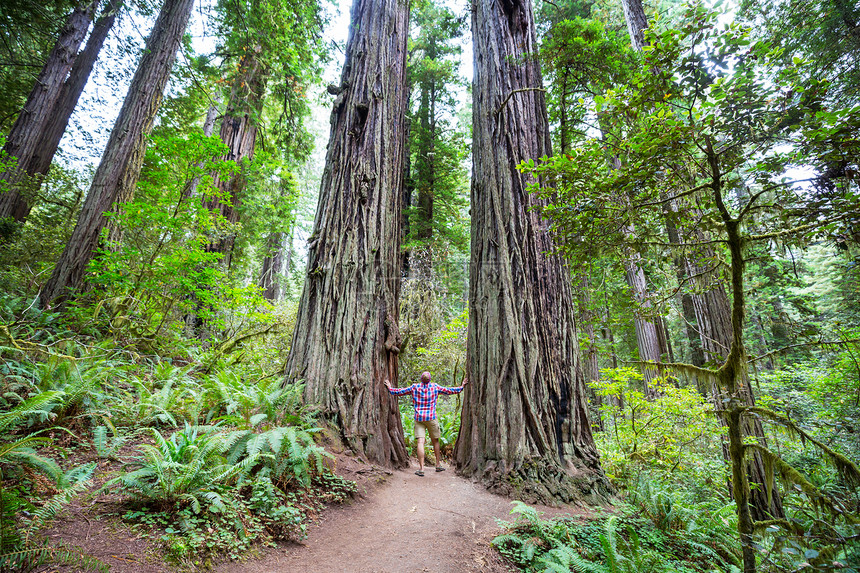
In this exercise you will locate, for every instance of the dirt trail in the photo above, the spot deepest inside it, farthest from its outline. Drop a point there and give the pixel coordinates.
(440, 523)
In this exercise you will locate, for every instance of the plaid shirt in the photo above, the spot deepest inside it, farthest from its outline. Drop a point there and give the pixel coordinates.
(424, 398)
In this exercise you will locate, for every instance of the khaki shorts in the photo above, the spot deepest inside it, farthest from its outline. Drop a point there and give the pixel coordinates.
(431, 426)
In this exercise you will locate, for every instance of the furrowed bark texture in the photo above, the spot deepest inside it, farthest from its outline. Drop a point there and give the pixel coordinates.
(274, 263)
(590, 364)
(346, 340)
(56, 125)
(23, 140)
(239, 133)
(637, 22)
(524, 427)
(647, 336)
(119, 169)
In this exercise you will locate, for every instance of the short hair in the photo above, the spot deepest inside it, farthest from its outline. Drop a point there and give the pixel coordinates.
(425, 377)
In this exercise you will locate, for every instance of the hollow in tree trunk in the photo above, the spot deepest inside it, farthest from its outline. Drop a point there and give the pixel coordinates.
(346, 341)
(524, 427)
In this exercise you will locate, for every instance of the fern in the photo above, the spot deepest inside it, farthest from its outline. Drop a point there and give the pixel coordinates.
(26, 552)
(105, 447)
(188, 468)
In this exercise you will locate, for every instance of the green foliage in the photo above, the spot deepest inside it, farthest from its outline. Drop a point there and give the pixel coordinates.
(614, 544)
(21, 549)
(284, 453)
(676, 431)
(186, 469)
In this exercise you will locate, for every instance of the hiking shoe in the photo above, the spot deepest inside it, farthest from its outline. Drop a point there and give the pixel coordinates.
(419, 473)
(440, 469)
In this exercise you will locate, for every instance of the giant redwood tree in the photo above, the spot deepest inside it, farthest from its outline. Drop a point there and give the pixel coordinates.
(119, 169)
(524, 426)
(346, 341)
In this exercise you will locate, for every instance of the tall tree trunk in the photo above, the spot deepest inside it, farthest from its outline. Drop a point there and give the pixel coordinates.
(23, 140)
(346, 341)
(714, 320)
(277, 253)
(720, 325)
(56, 125)
(524, 427)
(637, 22)
(273, 266)
(239, 133)
(590, 365)
(647, 335)
(208, 129)
(117, 174)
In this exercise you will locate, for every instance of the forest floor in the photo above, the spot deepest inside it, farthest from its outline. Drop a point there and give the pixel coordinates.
(398, 523)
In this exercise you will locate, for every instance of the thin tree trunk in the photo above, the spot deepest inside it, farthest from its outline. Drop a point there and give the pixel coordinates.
(714, 320)
(208, 129)
(346, 341)
(117, 174)
(720, 326)
(524, 427)
(23, 140)
(590, 364)
(647, 335)
(637, 22)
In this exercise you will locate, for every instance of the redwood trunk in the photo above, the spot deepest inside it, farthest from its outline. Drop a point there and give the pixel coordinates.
(713, 312)
(56, 125)
(117, 174)
(346, 341)
(524, 429)
(239, 133)
(23, 140)
(590, 364)
(273, 267)
(647, 335)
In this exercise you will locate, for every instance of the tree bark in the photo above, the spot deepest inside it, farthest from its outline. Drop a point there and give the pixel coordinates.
(273, 266)
(26, 134)
(637, 22)
(524, 427)
(719, 322)
(647, 335)
(713, 312)
(72, 89)
(346, 341)
(590, 364)
(239, 133)
(117, 174)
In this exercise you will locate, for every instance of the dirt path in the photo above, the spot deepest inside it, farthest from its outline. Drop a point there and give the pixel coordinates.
(440, 523)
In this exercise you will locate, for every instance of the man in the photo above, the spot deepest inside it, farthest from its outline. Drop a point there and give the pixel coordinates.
(424, 398)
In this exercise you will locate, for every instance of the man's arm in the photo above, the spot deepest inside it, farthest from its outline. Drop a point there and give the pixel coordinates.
(397, 391)
(455, 389)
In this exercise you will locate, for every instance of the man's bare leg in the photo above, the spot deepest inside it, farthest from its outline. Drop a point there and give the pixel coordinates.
(420, 447)
(436, 451)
